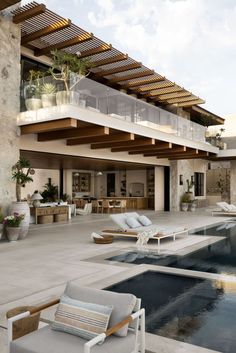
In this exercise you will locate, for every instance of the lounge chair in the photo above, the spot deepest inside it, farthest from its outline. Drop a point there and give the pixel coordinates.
(125, 332)
(155, 231)
(226, 209)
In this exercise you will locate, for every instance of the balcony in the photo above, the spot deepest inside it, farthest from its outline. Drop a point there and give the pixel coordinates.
(94, 96)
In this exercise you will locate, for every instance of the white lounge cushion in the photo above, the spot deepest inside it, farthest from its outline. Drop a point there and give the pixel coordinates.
(144, 220)
(224, 206)
(120, 220)
(132, 214)
(132, 222)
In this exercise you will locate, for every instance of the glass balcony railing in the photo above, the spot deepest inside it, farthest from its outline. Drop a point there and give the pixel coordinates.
(97, 97)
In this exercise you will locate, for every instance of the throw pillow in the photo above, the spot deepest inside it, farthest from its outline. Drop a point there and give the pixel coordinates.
(86, 320)
(133, 222)
(145, 221)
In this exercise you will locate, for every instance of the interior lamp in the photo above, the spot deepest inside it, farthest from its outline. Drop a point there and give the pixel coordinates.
(36, 197)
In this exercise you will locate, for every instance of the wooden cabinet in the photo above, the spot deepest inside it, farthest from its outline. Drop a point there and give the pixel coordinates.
(81, 182)
(50, 214)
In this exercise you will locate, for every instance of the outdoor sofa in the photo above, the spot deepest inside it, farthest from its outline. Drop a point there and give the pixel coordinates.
(226, 209)
(125, 332)
(153, 231)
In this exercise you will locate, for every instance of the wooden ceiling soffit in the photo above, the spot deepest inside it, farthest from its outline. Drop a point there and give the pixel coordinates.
(119, 69)
(122, 136)
(132, 76)
(29, 13)
(62, 45)
(166, 97)
(94, 51)
(112, 60)
(74, 133)
(140, 83)
(182, 100)
(176, 150)
(191, 103)
(48, 126)
(124, 144)
(55, 27)
(7, 3)
(159, 146)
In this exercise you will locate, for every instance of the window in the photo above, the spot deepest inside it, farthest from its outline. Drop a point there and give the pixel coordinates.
(199, 184)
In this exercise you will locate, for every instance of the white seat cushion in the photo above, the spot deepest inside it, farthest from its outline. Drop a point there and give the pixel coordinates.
(144, 220)
(120, 220)
(133, 222)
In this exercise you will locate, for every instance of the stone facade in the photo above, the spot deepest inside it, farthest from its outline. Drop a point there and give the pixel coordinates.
(9, 104)
(187, 168)
(233, 182)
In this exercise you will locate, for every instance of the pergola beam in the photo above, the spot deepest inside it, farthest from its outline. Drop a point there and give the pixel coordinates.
(122, 136)
(166, 97)
(7, 3)
(62, 45)
(176, 150)
(148, 81)
(133, 76)
(191, 103)
(29, 13)
(124, 144)
(182, 100)
(200, 155)
(155, 91)
(120, 69)
(94, 51)
(83, 132)
(112, 60)
(160, 145)
(54, 125)
(53, 28)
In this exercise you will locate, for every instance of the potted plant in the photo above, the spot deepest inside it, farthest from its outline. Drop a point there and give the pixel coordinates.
(71, 70)
(48, 95)
(185, 200)
(21, 174)
(190, 184)
(33, 90)
(193, 205)
(12, 224)
(50, 193)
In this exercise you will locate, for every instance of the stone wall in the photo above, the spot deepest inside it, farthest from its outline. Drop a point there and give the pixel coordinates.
(187, 168)
(9, 104)
(233, 182)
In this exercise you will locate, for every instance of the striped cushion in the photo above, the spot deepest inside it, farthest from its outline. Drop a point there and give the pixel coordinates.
(86, 320)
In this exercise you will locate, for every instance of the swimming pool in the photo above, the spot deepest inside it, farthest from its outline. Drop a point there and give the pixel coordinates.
(193, 310)
(219, 257)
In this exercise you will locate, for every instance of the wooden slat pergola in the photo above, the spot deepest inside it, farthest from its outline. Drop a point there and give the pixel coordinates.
(77, 132)
(43, 30)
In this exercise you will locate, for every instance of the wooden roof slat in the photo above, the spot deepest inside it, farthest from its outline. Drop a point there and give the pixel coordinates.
(165, 97)
(154, 92)
(7, 3)
(111, 60)
(191, 103)
(100, 49)
(160, 145)
(176, 150)
(55, 27)
(120, 69)
(181, 100)
(28, 13)
(168, 90)
(67, 43)
(140, 83)
(200, 155)
(132, 76)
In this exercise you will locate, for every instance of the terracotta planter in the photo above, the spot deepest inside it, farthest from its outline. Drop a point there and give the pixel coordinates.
(13, 233)
(1, 230)
(22, 208)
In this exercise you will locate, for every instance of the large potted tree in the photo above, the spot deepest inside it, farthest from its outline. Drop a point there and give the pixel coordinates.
(69, 69)
(21, 174)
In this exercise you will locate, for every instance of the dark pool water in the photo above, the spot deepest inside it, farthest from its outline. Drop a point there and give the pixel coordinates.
(197, 311)
(219, 257)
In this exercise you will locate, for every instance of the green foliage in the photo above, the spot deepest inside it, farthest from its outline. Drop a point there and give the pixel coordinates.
(33, 89)
(19, 175)
(65, 197)
(190, 185)
(1, 217)
(48, 88)
(67, 64)
(50, 193)
(185, 198)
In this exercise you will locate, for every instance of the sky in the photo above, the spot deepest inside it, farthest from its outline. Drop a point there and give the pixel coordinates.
(191, 42)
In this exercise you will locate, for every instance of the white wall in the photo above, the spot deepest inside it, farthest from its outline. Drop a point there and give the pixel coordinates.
(40, 178)
(159, 188)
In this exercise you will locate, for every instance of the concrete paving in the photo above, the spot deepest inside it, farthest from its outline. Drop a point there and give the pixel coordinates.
(37, 268)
